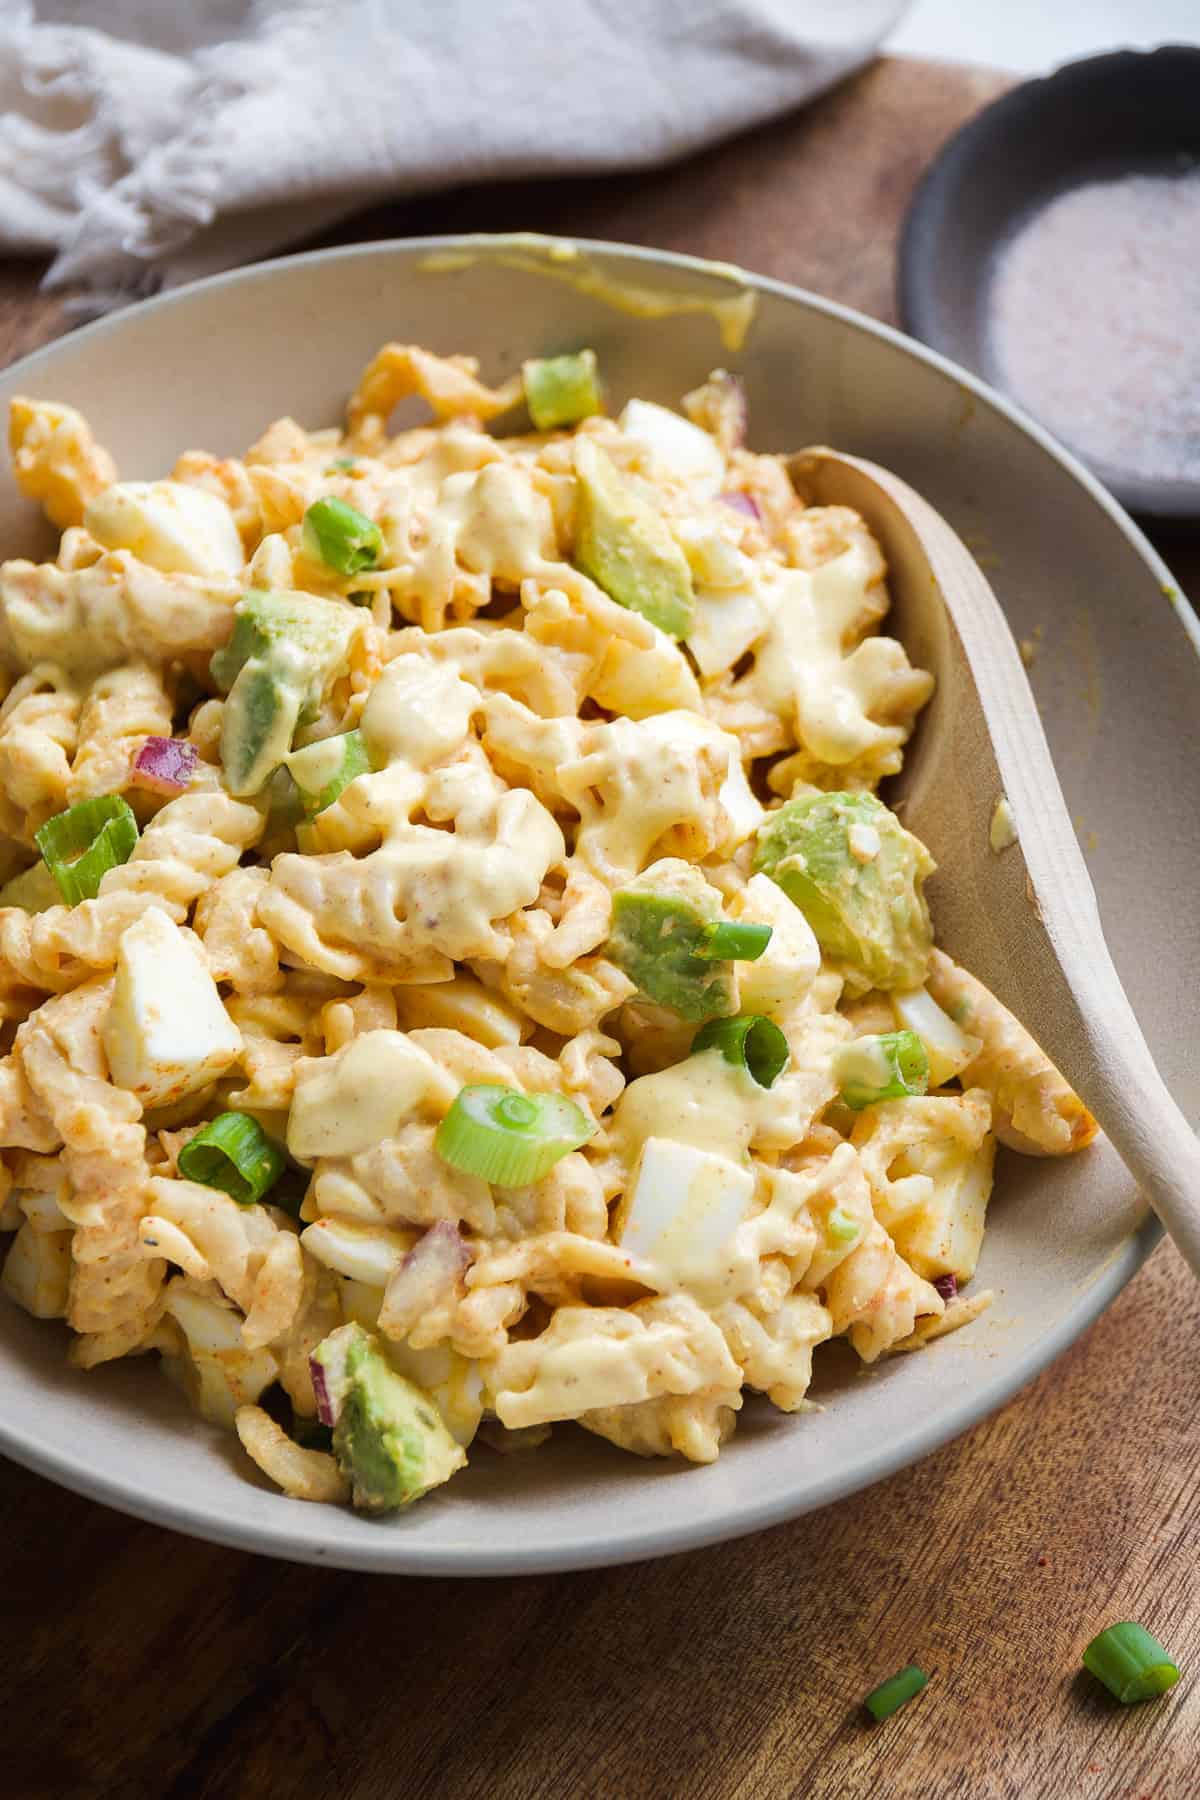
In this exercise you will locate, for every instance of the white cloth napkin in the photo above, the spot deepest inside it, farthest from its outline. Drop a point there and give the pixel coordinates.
(146, 141)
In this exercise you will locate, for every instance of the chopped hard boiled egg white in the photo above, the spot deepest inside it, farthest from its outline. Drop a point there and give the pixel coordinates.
(944, 1235)
(791, 961)
(683, 1209)
(948, 1048)
(179, 529)
(166, 1033)
(724, 627)
(223, 1374)
(713, 560)
(361, 1303)
(42, 1209)
(209, 1325)
(37, 1270)
(673, 444)
(367, 1253)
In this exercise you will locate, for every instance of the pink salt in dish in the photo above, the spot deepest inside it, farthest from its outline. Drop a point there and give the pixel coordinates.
(1094, 316)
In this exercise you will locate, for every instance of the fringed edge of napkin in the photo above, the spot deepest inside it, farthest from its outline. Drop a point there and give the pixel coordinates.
(136, 206)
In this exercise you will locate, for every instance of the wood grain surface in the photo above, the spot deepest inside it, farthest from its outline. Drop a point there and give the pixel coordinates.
(137, 1663)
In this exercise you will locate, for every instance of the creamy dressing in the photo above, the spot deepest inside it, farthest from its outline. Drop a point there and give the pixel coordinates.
(564, 261)
(704, 1101)
(716, 1105)
(643, 778)
(418, 712)
(802, 671)
(362, 1094)
(501, 526)
(429, 892)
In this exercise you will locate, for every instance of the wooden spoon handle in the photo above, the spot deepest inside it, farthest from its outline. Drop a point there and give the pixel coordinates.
(1153, 1140)
(1082, 1019)
(1029, 913)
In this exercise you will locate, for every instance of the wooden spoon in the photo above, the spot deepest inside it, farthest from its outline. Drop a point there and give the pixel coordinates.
(1024, 918)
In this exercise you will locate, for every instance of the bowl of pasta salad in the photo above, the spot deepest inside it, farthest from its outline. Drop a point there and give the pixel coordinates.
(474, 1016)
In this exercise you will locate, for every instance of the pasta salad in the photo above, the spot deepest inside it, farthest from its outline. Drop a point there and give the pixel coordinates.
(457, 975)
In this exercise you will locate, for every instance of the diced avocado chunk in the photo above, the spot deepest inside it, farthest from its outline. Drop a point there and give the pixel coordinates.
(847, 862)
(626, 547)
(390, 1439)
(319, 630)
(261, 714)
(285, 652)
(660, 935)
(561, 390)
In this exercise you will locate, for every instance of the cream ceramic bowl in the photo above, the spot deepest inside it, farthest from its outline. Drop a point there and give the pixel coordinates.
(1118, 677)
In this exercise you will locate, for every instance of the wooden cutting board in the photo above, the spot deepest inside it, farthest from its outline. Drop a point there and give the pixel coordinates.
(137, 1663)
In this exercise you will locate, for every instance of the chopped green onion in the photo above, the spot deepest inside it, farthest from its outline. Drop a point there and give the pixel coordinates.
(896, 1692)
(840, 1227)
(81, 845)
(561, 390)
(234, 1154)
(750, 1042)
(341, 464)
(323, 769)
(341, 536)
(509, 1138)
(1131, 1664)
(728, 941)
(892, 1066)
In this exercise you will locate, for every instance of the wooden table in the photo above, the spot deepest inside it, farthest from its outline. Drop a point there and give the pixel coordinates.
(137, 1663)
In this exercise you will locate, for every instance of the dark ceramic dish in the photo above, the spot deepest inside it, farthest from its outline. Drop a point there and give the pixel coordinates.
(1129, 112)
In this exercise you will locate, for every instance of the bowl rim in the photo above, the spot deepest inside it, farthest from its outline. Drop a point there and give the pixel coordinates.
(938, 196)
(673, 1535)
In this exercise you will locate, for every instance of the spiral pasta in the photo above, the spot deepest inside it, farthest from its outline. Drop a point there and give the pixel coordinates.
(122, 708)
(114, 1286)
(39, 731)
(56, 460)
(187, 847)
(470, 984)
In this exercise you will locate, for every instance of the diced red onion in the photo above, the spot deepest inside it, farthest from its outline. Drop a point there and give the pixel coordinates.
(165, 765)
(327, 1366)
(947, 1286)
(324, 1399)
(743, 503)
(431, 1272)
